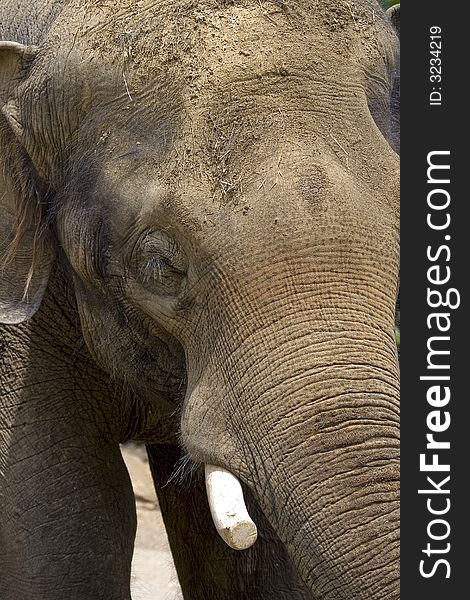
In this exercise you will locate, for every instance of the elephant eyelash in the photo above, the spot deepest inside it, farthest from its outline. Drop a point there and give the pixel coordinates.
(153, 269)
(161, 252)
(160, 277)
(158, 263)
(158, 269)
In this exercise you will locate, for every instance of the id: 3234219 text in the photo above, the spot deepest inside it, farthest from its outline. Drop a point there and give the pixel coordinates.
(435, 65)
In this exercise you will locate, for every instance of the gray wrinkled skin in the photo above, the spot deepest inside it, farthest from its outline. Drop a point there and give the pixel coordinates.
(199, 229)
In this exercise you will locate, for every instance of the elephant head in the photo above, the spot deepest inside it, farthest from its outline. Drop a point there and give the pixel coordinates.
(220, 185)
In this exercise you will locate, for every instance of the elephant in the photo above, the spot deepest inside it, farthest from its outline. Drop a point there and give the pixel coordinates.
(199, 238)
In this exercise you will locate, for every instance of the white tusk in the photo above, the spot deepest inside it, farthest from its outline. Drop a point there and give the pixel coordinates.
(228, 510)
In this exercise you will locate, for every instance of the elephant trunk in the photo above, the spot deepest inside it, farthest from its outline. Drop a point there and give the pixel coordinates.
(327, 477)
(320, 451)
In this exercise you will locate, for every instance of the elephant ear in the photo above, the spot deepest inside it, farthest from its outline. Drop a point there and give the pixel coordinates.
(394, 14)
(26, 254)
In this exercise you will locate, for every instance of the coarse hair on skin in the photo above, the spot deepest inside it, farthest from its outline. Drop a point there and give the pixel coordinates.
(185, 471)
(32, 199)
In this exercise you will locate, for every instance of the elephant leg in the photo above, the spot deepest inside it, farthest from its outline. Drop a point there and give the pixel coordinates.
(207, 568)
(67, 512)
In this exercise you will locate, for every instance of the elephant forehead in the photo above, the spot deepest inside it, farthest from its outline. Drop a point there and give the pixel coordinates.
(218, 106)
(215, 74)
(212, 48)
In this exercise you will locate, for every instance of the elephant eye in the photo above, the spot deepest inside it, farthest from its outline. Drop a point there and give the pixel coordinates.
(161, 265)
(159, 272)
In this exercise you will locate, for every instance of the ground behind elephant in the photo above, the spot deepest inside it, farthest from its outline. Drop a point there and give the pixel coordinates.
(153, 573)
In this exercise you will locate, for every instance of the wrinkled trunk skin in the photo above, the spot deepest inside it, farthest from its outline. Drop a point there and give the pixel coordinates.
(333, 497)
(311, 423)
(325, 471)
